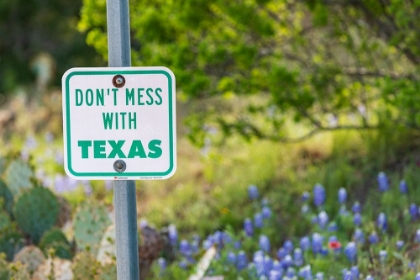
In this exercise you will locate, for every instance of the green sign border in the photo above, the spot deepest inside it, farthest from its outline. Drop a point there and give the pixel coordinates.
(123, 174)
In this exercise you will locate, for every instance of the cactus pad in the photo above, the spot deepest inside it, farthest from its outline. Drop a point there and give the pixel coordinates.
(107, 247)
(36, 211)
(31, 256)
(108, 272)
(4, 221)
(10, 242)
(7, 197)
(56, 269)
(85, 266)
(17, 176)
(90, 222)
(56, 240)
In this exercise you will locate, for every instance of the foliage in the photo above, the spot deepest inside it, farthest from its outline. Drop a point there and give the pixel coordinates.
(328, 65)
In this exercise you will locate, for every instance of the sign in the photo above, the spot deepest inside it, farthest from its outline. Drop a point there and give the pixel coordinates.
(119, 123)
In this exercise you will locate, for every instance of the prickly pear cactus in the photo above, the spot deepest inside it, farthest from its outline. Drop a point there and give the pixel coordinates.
(5, 272)
(36, 212)
(56, 269)
(90, 222)
(7, 197)
(107, 247)
(11, 241)
(85, 266)
(108, 272)
(19, 272)
(4, 221)
(56, 240)
(17, 176)
(31, 256)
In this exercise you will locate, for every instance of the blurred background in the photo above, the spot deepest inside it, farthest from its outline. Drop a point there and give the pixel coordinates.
(277, 94)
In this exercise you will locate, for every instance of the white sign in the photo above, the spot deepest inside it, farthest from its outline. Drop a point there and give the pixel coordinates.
(119, 123)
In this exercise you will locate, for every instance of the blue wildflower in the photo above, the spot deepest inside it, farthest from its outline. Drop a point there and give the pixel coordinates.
(281, 253)
(343, 211)
(266, 212)
(305, 196)
(305, 209)
(172, 235)
(231, 258)
(342, 195)
(162, 264)
(355, 272)
(298, 257)
(351, 251)
(356, 208)
(248, 228)
(183, 264)
(403, 187)
(286, 262)
(357, 219)
(258, 220)
(185, 248)
(417, 276)
(382, 182)
(322, 219)
(332, 227)
(253, 192)
(319, 195)
(264, 243)
(418, 236)
(413, 210)
(290, 273)
(359, 237)
(305, 272)
(383, 254)
(399, 244)
(274, 275)
(382, 221)
(288, 245)
(373, 238)
(317, 240)
(370, 277)
(319, 276)
(241, 260)
(305, 243)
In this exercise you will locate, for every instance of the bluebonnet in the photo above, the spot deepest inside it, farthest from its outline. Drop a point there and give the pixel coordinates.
(342, 195)
(298, 257)
(322, 219)
(264, 243)
(357, 219)
(183, 264)
(373, 238)
(305, 209)
(355, 272)
(351, 251)
(343, 211)
(359, 237)
(399, 244)
(264, 201)
(319, 276)
(185, 248)
(370, 277)
(241, 260)
(382, 182)
(332, 227)
(172, 235)
(268, 264)
(382, 221)
(305, 272)
(207, 244)
(274, 275)
(253, 192)
(248, 228)
(305, 243)
(277, 266)
(305, 196)
(258, 220)
(286, 262)
(413, 210)
(383, 254)
(266, 212)
(356, 208)
(317, 240)
(288, 245)
(281, 253)
(319, 195)
(231, 258)
(162, 264)
(418, 236)
(417, 276)
(403, 187)
(290, 272)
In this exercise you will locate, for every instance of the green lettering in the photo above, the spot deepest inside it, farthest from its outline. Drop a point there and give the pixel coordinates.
(79, 97)
(154, 149)
(116, 149)
(148, 92)
(136, 149)
(132, 118)
(139, 96)
(100, 97)
(157, 91)
(107, 120)
(129, 96)
(99, 149)
(84, 145)
(115, 90)
(89, 97)
(123, 114)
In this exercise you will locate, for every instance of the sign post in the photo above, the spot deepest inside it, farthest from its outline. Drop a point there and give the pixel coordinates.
(124, 191)
(119, 124)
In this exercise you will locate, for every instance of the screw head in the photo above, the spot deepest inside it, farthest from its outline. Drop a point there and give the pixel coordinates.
(120, 166)
(118, 81)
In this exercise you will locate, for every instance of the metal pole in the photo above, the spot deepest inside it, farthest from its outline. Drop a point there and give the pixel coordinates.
(124, 191)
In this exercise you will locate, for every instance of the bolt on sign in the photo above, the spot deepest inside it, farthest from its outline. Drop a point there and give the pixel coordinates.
(119, 123)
